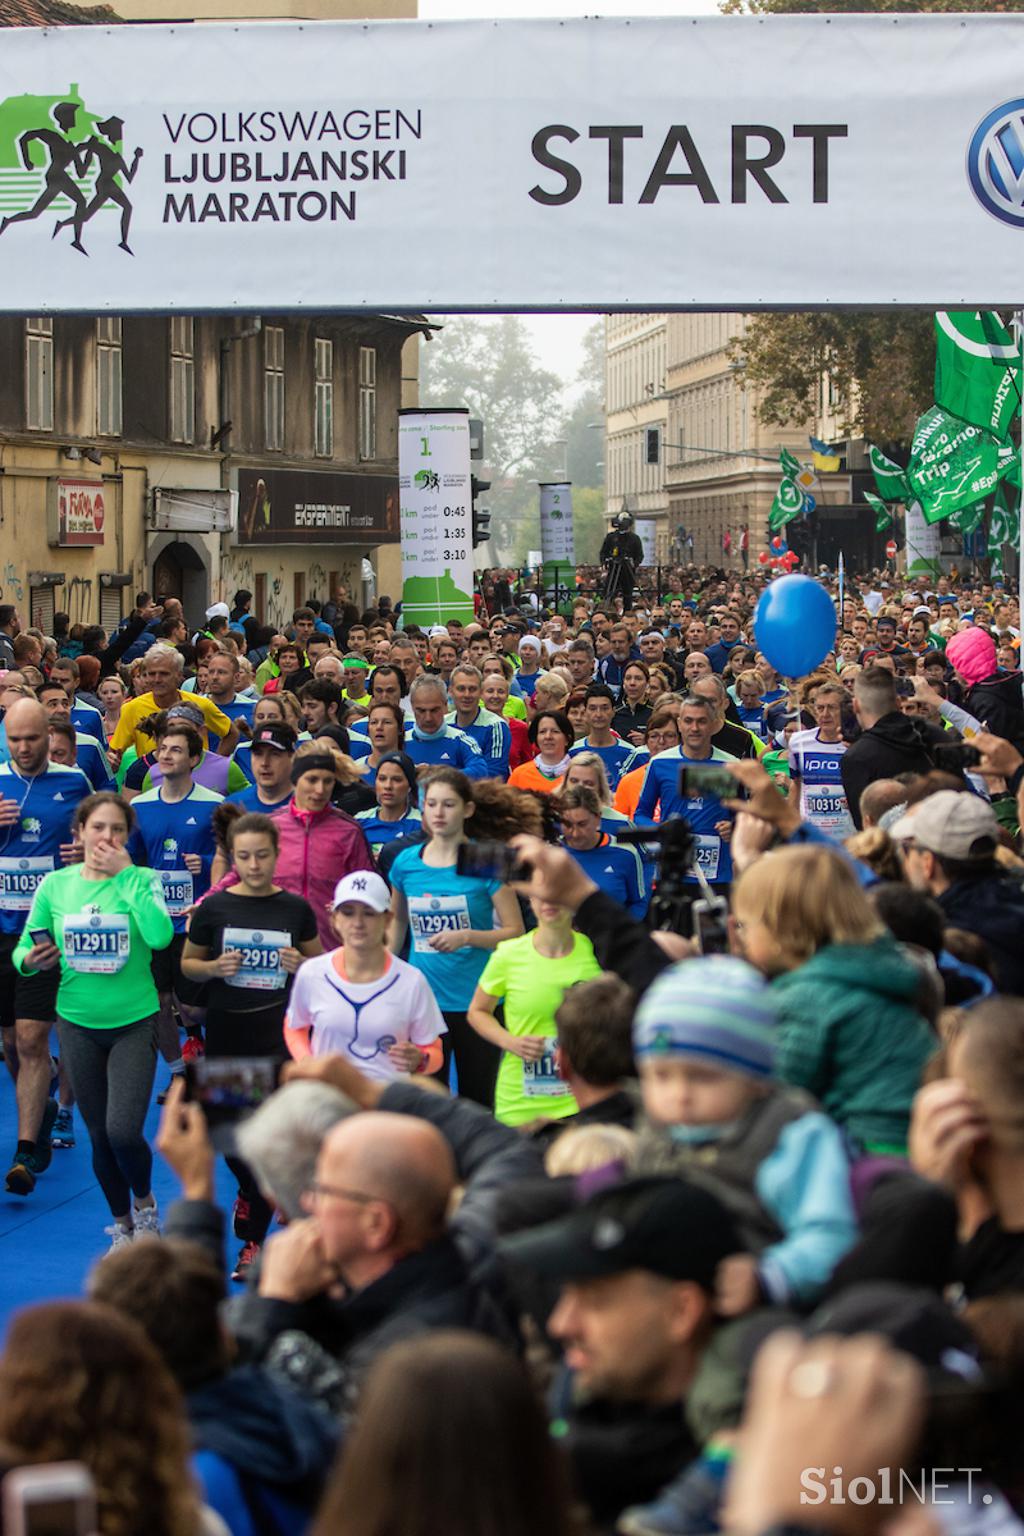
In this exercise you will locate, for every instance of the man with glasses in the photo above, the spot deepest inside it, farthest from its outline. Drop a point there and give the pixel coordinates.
(377, 1226)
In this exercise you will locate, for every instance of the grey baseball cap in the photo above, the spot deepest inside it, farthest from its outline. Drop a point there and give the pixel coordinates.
(951, 823)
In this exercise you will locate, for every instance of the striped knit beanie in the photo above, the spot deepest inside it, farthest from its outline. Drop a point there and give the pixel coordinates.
(717, 1008)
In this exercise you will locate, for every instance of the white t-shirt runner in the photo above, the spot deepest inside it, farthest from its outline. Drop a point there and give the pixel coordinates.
(818, 765)
(361, 1019)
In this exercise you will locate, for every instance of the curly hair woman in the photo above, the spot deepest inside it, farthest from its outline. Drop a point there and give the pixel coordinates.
(80, 1382)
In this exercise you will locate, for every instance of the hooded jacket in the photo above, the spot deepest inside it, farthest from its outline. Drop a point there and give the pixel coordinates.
(992, 907)
(317, 848)
(993, 696)
(259, 1444)
(997, 703)
(895, 744)
(851, 1036)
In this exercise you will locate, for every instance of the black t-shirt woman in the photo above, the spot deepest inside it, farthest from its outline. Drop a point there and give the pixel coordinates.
(246, 943)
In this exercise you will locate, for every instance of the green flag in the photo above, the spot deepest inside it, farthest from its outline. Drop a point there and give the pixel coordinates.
(788, 503)
(1004, 524)
(1007, 496)
(977, 369)
(953, 463)
(889, 478)
(883, 514)
(968, 519)
(790, 466)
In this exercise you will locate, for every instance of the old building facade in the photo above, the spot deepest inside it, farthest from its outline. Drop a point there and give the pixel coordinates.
(193, 456)
(716, 469)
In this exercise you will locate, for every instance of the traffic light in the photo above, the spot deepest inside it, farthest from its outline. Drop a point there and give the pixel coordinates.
(653, 445)
(481, 516)
(481, 526)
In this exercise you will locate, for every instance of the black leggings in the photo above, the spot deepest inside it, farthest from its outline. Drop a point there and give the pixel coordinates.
(255, 1032)
(476, 1059)
(111, 1075)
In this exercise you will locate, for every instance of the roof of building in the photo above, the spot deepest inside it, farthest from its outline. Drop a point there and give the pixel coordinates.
(53, 13)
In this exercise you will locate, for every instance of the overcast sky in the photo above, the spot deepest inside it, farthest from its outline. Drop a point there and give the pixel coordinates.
(557, 338)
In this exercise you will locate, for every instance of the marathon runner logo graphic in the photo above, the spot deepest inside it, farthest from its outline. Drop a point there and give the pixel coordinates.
(59, 159)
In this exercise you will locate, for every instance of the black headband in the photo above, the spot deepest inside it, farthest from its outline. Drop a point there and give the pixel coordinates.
(313, 762)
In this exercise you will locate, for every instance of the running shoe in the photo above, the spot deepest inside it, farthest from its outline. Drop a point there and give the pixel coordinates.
(241, 1215)
(146, 1219)
(21, 1176)
(119, 1236)
(193, 1048)
(64, 1129)
(245, 1261)
(43, 1155)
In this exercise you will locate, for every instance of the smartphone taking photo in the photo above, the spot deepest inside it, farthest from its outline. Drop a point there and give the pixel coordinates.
(57, 1499)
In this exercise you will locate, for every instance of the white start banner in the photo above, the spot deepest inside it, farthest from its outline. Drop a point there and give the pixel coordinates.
(606, 162)
(556, 535)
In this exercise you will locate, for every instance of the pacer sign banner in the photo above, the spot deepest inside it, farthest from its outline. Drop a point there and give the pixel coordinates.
(436, 516)
(556, 535)
(728, 162)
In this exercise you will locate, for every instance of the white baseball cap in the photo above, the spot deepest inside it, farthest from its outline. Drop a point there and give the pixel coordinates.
(365, 886)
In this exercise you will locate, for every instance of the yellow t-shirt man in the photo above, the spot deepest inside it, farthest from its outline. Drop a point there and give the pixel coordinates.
(128, 733)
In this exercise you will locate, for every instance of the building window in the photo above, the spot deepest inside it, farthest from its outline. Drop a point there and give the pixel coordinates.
(367, 402)
(39, 373)
(183, 380)
(273, 388)
(108, 376)
(323, 444)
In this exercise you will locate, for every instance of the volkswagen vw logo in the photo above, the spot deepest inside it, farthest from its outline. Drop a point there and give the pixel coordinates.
(995, 162)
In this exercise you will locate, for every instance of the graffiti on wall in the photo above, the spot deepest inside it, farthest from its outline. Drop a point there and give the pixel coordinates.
(79, 599)
(11, 589)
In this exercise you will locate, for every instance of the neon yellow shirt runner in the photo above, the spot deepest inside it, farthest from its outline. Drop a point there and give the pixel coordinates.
(532, 987)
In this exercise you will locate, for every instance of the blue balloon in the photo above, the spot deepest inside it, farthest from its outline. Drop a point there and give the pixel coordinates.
(795, 625)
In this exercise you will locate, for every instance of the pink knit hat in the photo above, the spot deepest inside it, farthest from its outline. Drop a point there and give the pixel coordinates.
(973, 654)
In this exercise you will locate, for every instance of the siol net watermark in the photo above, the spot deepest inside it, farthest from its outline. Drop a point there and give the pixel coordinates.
(934, 1485)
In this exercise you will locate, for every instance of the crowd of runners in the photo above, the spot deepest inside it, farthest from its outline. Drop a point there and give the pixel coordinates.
(629, 1042)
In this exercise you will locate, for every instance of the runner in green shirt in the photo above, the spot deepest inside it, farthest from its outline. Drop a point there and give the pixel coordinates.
(100, 921)
(531, 975)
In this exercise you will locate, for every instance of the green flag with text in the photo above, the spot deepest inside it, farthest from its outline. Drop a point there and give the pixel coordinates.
(953, 463)
(977, 369)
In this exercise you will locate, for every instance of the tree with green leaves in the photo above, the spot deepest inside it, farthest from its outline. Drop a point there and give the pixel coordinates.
(489, 366)
(880, 366)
